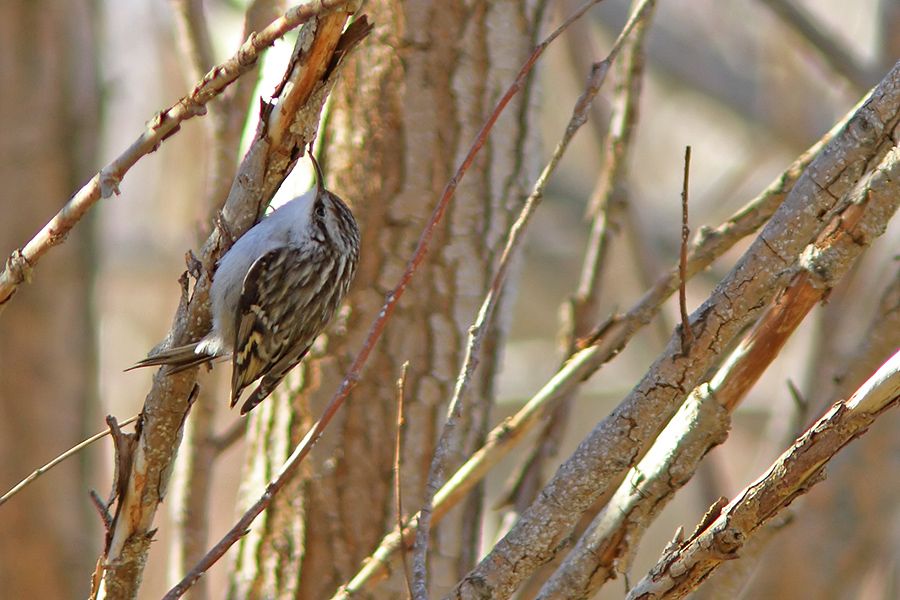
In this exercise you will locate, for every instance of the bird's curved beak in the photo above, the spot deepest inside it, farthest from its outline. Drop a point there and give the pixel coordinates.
(320, 178)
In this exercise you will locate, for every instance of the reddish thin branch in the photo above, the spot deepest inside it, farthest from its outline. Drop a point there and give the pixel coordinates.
(19, 265)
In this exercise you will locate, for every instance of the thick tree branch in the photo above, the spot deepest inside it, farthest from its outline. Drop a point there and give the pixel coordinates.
(703, 421)
(793, 474)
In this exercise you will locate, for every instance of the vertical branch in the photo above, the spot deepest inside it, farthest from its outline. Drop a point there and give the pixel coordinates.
(687, 336)
(401, 384)
(192, 477)
(193, 38)
(168, 403)
(232, 111)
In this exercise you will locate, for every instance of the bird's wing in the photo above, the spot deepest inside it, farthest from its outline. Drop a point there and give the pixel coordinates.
(270, 330)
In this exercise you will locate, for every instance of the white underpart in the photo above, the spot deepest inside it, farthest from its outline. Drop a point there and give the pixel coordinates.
(286, 226)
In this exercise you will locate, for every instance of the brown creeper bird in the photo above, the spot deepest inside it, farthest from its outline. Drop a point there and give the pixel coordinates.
(274, 291)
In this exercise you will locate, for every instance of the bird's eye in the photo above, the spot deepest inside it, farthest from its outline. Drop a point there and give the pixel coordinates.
(320, 210)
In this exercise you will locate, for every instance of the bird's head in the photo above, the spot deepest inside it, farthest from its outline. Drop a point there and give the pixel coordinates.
(330, 219)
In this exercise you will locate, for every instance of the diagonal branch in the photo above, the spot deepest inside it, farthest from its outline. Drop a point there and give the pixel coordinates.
(19, 266)
(703, 421)
(619, 441)
(826, 43)
(793, 474)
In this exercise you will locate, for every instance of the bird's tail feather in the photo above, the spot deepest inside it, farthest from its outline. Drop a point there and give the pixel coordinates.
(180, 358)
(262, 391)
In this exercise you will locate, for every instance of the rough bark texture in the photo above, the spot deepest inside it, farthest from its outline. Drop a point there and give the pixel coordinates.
(48, 115)
(408, 107)
(845, 519)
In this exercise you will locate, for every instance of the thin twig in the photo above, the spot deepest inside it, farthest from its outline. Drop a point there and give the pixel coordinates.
(102, 509)
(687, 336)
(68, 453)
(401, 385)
(377, 328)
(19, 266)
(477, 331)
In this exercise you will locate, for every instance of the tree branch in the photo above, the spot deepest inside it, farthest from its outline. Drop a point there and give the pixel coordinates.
(609, 543)
(67, 454)
(825, 43)
(619, 441)
(793, 474)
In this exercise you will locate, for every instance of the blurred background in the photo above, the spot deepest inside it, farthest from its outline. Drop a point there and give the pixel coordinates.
(736, 80)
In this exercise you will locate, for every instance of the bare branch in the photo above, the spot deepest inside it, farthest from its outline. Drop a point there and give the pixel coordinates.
(793, 474)
(232, 111)
(19, 266)
(67, 454)
(703, 421)
(194, 38)
(401, 385)
(687, 336)
(619, 441)
(230, 436)
(825, 43)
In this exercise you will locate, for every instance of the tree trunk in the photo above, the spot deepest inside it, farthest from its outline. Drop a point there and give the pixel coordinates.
(48, 116)
(408, 108)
